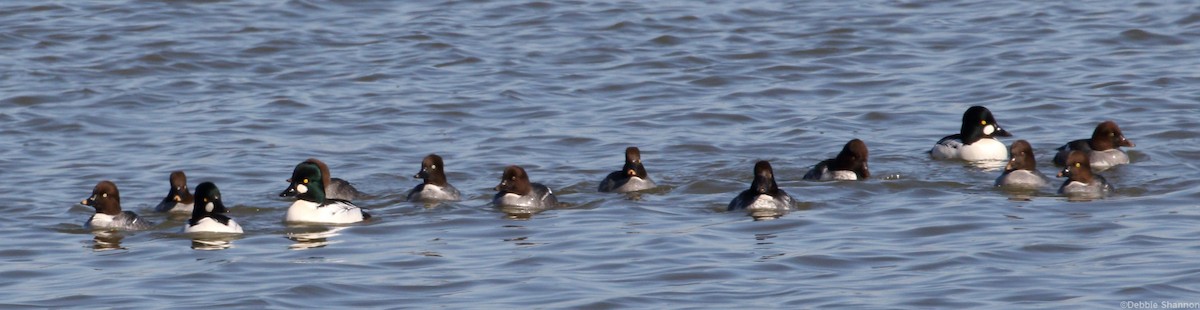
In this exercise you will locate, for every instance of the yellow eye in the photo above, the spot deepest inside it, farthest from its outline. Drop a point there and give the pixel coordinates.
(205, 199)
(305, 181)
(1076, 165)
(983, 122)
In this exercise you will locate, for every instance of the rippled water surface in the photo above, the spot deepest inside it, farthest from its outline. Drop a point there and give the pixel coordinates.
(238, 92)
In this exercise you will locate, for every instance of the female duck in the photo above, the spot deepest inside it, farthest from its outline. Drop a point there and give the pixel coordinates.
(1103, 149)
(849, 165)
(631, 178)
(178, 199)
(1080, 180)
(434, 186)
(515, 190)
(1021, 171)
(106, 199)
(763, 194)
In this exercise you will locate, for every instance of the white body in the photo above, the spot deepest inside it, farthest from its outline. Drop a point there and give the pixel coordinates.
(1096, 189)
(769, 203)
(1023, 179)
(1103, 160)
(632, 185)
(838, 175)
(436, 193)
(986, 149)
(539, 198)
(213, 226)
(337, 212)
(124, 221)
(178, 208)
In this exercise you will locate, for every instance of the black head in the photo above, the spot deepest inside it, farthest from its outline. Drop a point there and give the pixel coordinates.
(978, 123)
(514, 181)
(633, 163)
(1108, 136)
(1078, 168)
(208, 201)
(853, 158)
(105, 198)
(1021, 157)
(764, 179)
(306, 183)
(432, 170)
(179, 189)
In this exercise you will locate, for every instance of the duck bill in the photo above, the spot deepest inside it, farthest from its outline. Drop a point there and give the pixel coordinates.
(290, 191)
(1126, 143)
(1000, 132)
(421, 174)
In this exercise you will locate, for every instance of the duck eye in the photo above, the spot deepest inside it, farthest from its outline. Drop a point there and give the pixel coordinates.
(104, 195)
(983, 122)
(1076, 165)
(305, 181)
(432, 166)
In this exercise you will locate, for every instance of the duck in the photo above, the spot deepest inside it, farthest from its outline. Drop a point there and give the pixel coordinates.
(312, 205)
(1081, 182)
(763, 194)
(631, 178)
(976, 139)
(178, 199)
(335, 188)
(849, 165)
(515, 190)
(434, 186)
(1103, 149)
(209, 214)
(106, 199)
(1021, 171)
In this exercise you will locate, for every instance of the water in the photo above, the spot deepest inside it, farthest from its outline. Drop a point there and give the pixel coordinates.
(239, 92)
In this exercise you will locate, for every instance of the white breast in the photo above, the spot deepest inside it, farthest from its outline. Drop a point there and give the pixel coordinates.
(984, 149)
(335, 212)
(1103, 160)
(100, 220)
(839, 175)
(210, 225)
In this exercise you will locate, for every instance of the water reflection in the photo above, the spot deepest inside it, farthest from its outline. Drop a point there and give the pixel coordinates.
(767, 214)
(309, 237)
(213, 241)
(105, 240)
(518, 213)
(988, 165)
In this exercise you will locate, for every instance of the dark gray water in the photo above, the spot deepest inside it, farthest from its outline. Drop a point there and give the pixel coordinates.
(238, 92)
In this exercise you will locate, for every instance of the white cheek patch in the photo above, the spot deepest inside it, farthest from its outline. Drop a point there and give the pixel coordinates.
(208, 207)
(301, 188)
(989, 129)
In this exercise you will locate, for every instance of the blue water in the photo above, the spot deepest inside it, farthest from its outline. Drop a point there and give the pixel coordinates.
(239, 92)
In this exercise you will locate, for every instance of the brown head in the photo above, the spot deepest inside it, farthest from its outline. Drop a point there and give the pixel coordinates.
(1108, 136)
(432, 170)
(179, 189)
(853, 158)
(633, 163)
(1078, 167)
(1021, 154)
(514, 181)
(105, 198)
